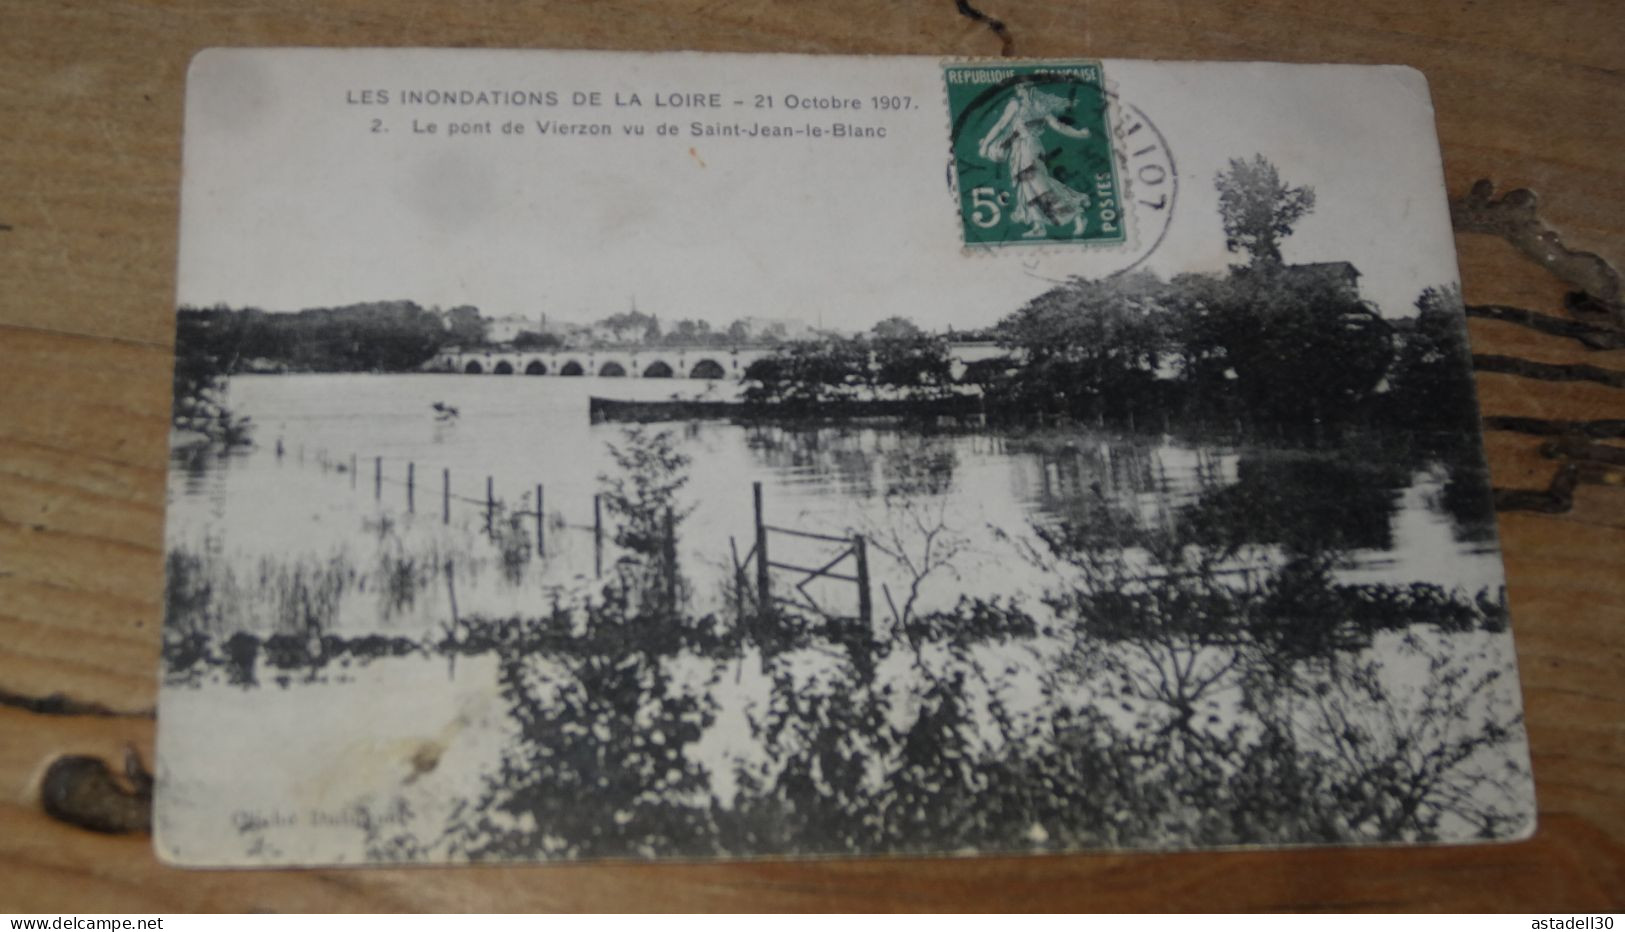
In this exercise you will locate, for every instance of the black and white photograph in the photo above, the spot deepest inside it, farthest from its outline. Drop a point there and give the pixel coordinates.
(619, 455)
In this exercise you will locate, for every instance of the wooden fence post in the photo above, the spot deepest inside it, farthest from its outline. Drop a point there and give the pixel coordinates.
(764, 594)
(411, 503)
(445, 496)
(597, 536)
(860, 550)
(377, 478)
(490, 505)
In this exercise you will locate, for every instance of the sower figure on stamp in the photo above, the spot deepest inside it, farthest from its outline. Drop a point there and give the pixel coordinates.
(1017, 140)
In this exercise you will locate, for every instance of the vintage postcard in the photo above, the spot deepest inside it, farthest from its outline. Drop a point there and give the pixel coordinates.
(602, 455)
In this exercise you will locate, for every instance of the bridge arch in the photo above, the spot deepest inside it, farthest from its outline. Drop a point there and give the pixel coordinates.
(659, 369)
(612, 370)
(536, 367)
(473, 367)
(708, 369)
(572, 368)
(503, 368)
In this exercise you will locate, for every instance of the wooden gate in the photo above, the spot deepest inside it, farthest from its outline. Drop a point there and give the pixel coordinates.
(850, 551)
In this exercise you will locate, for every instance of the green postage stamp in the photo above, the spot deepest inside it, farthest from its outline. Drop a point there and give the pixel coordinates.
(1032, 154)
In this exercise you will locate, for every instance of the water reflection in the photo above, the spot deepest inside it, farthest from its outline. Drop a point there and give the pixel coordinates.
(836, 478)
(1298, 500)
(1058, 656)
(1304, 503)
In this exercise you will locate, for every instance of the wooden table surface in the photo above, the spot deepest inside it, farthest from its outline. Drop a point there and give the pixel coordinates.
(1529, 96)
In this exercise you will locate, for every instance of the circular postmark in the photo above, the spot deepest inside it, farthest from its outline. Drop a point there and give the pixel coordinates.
(1152, 180)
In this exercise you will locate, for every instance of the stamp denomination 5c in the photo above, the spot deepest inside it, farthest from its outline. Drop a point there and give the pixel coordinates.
(1032, 154)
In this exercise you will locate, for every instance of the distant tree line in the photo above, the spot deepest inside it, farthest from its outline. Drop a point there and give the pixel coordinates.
(895, 358)
(400, 336)
(638, 328)
(1290, 347)
(1266, 344)
(381, 336)
(214, 343)
(1276, 348)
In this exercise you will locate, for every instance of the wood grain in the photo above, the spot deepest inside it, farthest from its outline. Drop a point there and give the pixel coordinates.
(90, 98)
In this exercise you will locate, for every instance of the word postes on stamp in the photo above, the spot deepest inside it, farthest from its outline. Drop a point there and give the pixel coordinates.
(1032, 153)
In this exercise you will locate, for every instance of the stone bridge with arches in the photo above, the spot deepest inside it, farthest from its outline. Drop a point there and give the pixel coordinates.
(650, 362)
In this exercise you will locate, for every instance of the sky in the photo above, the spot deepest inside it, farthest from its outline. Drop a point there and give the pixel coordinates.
(293, 196)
